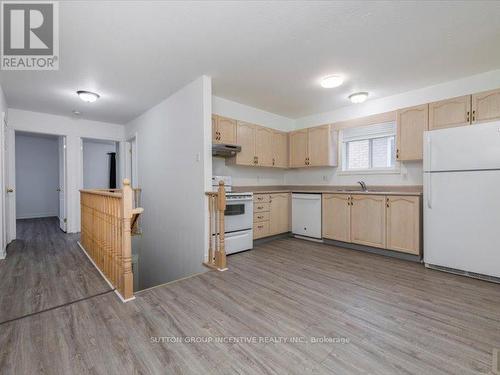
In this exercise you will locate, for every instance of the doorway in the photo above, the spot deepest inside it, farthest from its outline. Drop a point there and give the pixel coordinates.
(40, 177)
(100, 169)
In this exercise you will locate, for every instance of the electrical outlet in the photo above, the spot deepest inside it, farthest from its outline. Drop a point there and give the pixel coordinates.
(325, 178)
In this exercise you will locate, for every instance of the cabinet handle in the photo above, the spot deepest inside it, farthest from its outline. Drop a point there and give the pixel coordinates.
(397, 154)
(274, 162)
(260, 217)
(260, 207)
(468, 116)
(260, 226)
(473, 115)
(259, 198)
(387, 202)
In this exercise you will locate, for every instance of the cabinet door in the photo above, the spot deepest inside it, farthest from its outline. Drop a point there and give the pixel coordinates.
(215, 137)
(298, 148)
(280, 149)
(486, 106)
(449, 113)
(227, 130)
(245, 137)
(279, 213)
(403, 224)
(412, 122)
(368, 220)
(264, 146)
(318, 146)
(337, 217)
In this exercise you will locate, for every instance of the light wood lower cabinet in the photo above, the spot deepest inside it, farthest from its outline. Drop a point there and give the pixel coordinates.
(279, 213)
(403, 224)
(271, 214)
(390, 222)
(368, 220)
(336, 221)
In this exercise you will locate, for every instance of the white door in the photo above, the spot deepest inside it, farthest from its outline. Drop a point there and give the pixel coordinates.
(462, 221)
(62, 183)
(10, 183)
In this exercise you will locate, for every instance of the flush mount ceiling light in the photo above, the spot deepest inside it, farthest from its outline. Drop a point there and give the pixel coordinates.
(358, 97)
(76, 113)
(87, 96)
(332, 81)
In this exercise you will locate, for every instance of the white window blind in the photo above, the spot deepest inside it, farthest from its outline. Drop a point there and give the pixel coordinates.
(368, 132)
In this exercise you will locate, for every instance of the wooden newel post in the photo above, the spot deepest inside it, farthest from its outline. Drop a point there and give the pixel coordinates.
(127, 284)
(220, 254)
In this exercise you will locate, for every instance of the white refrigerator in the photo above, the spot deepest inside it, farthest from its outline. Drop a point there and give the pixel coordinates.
(462, 199)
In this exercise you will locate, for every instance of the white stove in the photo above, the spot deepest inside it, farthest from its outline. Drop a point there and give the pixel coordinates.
(238, 217)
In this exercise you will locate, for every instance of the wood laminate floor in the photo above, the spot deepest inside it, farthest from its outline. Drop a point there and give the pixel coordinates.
(399, 318)
(44, 268)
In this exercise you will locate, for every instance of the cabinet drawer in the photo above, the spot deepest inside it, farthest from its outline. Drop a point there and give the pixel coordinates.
(261, 198)
(260, 207)
(261, 229)
(260, 216)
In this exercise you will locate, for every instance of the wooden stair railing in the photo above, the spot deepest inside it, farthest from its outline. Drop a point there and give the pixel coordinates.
(106, 234)
(216, 246)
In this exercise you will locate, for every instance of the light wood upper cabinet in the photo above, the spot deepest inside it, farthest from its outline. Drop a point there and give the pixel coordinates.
(298, 148)
(450, 113)
(313, 147)
(280, 149)
(411, 124)
(336, 221)
(223, 130)
(403, 224)
(486, 106)
(322, 146)
(368, 225)
(245, 137)
(264, 146)
(279, 213)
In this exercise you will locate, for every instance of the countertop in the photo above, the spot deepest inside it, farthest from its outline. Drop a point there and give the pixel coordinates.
(372, 190)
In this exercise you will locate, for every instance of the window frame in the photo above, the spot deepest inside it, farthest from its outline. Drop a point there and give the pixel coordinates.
(344, 150)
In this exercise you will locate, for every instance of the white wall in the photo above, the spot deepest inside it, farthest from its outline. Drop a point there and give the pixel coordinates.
(37, 176)
(96, 163)
(74, 129)
(3, 226)
(174, 160)
(228, 108)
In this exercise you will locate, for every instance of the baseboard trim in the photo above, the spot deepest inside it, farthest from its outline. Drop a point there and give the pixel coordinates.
(264, 240)
(479, 276)
(36, 216)
(3, 255)
(104, 276)
(374, 250)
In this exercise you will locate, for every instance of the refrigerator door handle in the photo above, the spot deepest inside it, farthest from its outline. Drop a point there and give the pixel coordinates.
(429, 190)
(428, 153)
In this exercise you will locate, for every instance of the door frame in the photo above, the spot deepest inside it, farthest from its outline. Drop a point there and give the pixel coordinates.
(10, 182)
(63, 167)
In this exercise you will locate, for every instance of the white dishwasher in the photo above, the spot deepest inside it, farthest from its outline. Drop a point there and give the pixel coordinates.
(306, 215)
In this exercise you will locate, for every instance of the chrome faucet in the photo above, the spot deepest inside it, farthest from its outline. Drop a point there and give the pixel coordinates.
(363, 185)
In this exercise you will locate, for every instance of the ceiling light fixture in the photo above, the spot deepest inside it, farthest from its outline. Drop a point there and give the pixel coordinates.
(87, 96)
(332, 81)
(76, 113)
(358, 97)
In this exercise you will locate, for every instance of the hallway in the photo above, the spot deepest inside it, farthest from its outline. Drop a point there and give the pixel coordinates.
(44, 269)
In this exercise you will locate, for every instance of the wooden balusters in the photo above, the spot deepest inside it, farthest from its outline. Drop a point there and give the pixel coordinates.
(216, 228)
(106, 234)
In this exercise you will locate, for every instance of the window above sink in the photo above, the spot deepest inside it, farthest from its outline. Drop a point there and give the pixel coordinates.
(369, 149)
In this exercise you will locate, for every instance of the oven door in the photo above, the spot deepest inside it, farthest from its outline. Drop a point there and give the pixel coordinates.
(238, 215)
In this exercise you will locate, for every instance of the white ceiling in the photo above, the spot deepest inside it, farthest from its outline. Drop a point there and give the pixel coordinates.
(269, 55)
